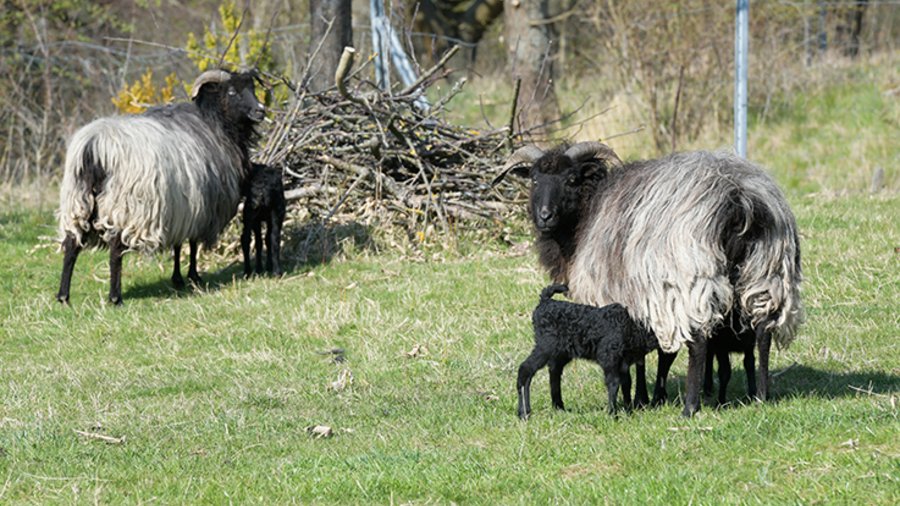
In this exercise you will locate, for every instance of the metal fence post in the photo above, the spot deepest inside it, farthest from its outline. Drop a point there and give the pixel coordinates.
(741, 49)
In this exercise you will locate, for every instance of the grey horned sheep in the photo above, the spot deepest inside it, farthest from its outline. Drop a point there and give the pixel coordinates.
(680, 241)
(155, 180)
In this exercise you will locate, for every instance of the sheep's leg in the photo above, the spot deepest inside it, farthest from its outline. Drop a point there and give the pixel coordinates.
(257, 240)
(641, 398)
(696, 366)
(556, 368)
(664, 363)
(764, 342)
(177, 280)
(527, 369)
(116, 251)
(193, 275)
(750, 371)
(274, 244)
(724, 372)
(708, 373)
(612, 390)
(625, 381)
(245, 247)
(71, 249)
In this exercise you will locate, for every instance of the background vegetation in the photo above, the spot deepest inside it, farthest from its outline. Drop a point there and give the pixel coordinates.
(207, 395)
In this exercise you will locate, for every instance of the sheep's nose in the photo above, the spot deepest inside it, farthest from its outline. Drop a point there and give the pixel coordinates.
(545, 214)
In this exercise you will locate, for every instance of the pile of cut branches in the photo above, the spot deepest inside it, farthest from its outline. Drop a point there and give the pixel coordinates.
(354, 153)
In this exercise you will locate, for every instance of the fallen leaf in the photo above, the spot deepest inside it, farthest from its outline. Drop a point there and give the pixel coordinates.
(851, 443)
(417, 351)
(320, 431)
(345, 379)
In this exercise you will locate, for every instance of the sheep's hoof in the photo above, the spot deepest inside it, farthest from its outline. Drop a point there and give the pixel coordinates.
(689, 412)
(524, 416)
(195, 279)
(63, 299)
(116, 301)
(178, 282)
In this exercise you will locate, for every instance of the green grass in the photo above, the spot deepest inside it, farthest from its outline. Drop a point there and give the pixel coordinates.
(213, 390)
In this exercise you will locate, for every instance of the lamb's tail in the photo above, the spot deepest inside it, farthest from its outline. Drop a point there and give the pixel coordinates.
(83, 179)
(550, 291)
(769, 276)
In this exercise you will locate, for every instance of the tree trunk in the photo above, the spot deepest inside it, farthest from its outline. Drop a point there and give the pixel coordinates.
(530, 57)
(322, 14)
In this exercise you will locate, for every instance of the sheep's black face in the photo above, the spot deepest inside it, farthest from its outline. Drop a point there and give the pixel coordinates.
(555, 182)
(239, 99)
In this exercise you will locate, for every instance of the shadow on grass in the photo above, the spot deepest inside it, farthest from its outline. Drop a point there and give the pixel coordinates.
(315, 243)
(162, 288)
(803, 381)
(796, 381)
(303, 246)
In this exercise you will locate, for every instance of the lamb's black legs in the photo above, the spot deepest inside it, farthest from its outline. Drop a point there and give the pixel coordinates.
(625, 381)
(641, 398)
(177, 280)
(116, 251)
(527, 369)
(71, 249)
(696, 366)
(245, 249)
(273, 243)
(664, 363)
(612, 379)
(764, 342)
(555, 366)
(257, 241)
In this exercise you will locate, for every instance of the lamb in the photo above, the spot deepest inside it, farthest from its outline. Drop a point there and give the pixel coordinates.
(732, 338)
(155, 180)
(565, 330)
(680, 241)
(263, 202)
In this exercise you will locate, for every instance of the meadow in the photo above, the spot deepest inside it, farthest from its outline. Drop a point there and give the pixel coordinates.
(208, 395)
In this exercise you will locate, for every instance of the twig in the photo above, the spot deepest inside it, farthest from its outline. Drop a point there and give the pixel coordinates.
(512, 115)
(786, 369)
(100, 437)
(430, 72)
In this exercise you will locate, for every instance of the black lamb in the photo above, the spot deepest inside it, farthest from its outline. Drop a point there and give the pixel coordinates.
(263, 202)
(733, 338)
(565, 330)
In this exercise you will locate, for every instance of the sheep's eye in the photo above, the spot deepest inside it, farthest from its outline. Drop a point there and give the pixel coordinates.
(231, 91)
(572, 179)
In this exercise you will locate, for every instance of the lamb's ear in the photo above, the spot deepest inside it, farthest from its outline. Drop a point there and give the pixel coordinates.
(519, 163)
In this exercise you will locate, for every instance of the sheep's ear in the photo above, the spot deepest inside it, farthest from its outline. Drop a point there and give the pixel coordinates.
(593, 169)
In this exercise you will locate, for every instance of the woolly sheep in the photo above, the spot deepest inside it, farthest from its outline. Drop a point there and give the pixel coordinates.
(155, 180)
(679, 241)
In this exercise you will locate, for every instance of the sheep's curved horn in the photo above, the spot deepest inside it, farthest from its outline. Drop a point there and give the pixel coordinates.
(593, 149)
(525, 154)
(210, 76)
